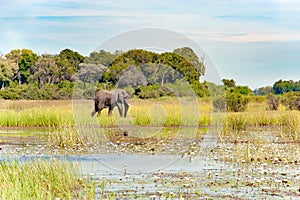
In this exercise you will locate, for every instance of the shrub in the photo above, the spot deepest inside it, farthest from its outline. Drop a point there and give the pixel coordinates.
(219, 104)
(236, 102)
(153, 91)
(291, 100)
(273, 102)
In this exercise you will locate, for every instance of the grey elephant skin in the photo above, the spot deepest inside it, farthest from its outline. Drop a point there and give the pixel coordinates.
(111, 99)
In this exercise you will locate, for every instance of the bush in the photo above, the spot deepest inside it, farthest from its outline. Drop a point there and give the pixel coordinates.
(257, 99)
(291, 100)
(9, 93)
(219, 104)
(153, 91)
(273, 102)
(236, 102)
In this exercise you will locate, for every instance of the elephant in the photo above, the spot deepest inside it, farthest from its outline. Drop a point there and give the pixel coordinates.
(110, 99)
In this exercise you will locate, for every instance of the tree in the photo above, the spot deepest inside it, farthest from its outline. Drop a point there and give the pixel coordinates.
(264, 90)
(281, 87)
(228, 83)
(102, 57)
(7, 70)
(138, 57)
(90, 73)
(159, 73)
(188, 54)
(68, 62)
(45, 71)
(24, 59)
(132, 77)
(73, 57)
(181, 65)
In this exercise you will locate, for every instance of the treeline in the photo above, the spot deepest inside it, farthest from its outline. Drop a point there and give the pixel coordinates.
(279, 87)
(236, 98)
(144, 74)
(286, 93)
(26, 75)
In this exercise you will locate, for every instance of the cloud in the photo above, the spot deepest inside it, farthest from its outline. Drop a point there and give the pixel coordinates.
(260, 37)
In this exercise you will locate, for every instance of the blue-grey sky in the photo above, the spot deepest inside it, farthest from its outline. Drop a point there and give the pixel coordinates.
(252, 41)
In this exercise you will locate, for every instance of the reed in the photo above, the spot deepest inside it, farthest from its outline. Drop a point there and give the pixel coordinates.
(39, 179)
(290, 126)
(154, 112)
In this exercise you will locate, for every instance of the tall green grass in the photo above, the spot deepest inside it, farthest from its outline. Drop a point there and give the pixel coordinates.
(36, 117)
(164, 112)
(38, 179)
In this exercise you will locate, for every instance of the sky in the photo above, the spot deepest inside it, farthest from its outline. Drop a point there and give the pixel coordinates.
(255, 42)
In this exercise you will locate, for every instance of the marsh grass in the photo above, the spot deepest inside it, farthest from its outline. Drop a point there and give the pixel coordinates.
(290, 126)
(39, 179)
(156, 112)
(36, 117)
(66, 137)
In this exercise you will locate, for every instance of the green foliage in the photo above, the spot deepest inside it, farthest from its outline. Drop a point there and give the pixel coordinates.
(27, 59)
(153, 91)
(244, 90)
(281, 87)
(161, 63)
(73, 57)
(39, 179)
(264, 90)
(24, 59)
(236, 102)
(219, 103)
(45, 71)
(7, 70)
(188, 54)
(90, 73)
(228, 83)
(201, 89)
(132, 57)
(159, 73)
(132, 77)
(178, 63)
(100, 58)
(291, 100)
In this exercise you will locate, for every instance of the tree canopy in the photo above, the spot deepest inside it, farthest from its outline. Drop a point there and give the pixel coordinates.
(22, 68)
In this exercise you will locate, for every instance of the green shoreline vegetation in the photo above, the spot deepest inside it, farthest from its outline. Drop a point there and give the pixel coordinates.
(40, 179)
(55, 114)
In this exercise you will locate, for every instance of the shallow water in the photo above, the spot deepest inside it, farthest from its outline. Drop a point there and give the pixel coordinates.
(174, 173)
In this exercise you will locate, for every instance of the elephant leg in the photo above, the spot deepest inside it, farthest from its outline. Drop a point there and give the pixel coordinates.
(95, 109)
(93, 113)
(120, 108)
(110, 109)
(126, 105)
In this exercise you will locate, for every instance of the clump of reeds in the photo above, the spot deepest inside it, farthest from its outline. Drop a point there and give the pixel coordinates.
(235, 123)
(290, 126)
(75, 138)
(36, 117)
(39, 179)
